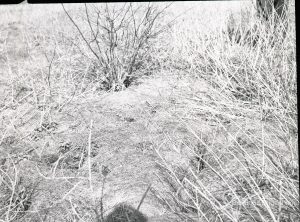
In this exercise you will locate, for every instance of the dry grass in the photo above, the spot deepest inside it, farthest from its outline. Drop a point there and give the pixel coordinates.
(245, 168)
(211, 122)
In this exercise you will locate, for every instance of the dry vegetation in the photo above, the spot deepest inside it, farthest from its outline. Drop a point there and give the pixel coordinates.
(141, 112)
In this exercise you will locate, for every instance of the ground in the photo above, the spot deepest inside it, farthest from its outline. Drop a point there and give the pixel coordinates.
(126, 126)
(79, 149)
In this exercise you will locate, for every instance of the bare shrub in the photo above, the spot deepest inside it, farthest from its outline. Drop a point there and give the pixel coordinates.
(119, 37)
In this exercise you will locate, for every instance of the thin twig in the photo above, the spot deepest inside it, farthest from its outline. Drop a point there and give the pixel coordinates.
(77, 27)
(143, 197)
(89, 155)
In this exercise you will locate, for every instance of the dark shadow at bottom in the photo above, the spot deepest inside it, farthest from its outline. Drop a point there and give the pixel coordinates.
(125, 213)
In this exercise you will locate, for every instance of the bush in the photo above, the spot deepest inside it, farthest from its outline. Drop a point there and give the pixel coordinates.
(120, 38)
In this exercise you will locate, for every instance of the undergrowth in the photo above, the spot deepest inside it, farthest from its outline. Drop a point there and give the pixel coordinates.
(246, 168)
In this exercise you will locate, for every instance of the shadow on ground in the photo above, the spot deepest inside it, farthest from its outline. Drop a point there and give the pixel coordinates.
(125, 213)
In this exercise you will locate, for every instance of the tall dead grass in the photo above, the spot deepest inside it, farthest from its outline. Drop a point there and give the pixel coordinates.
(245, 168)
